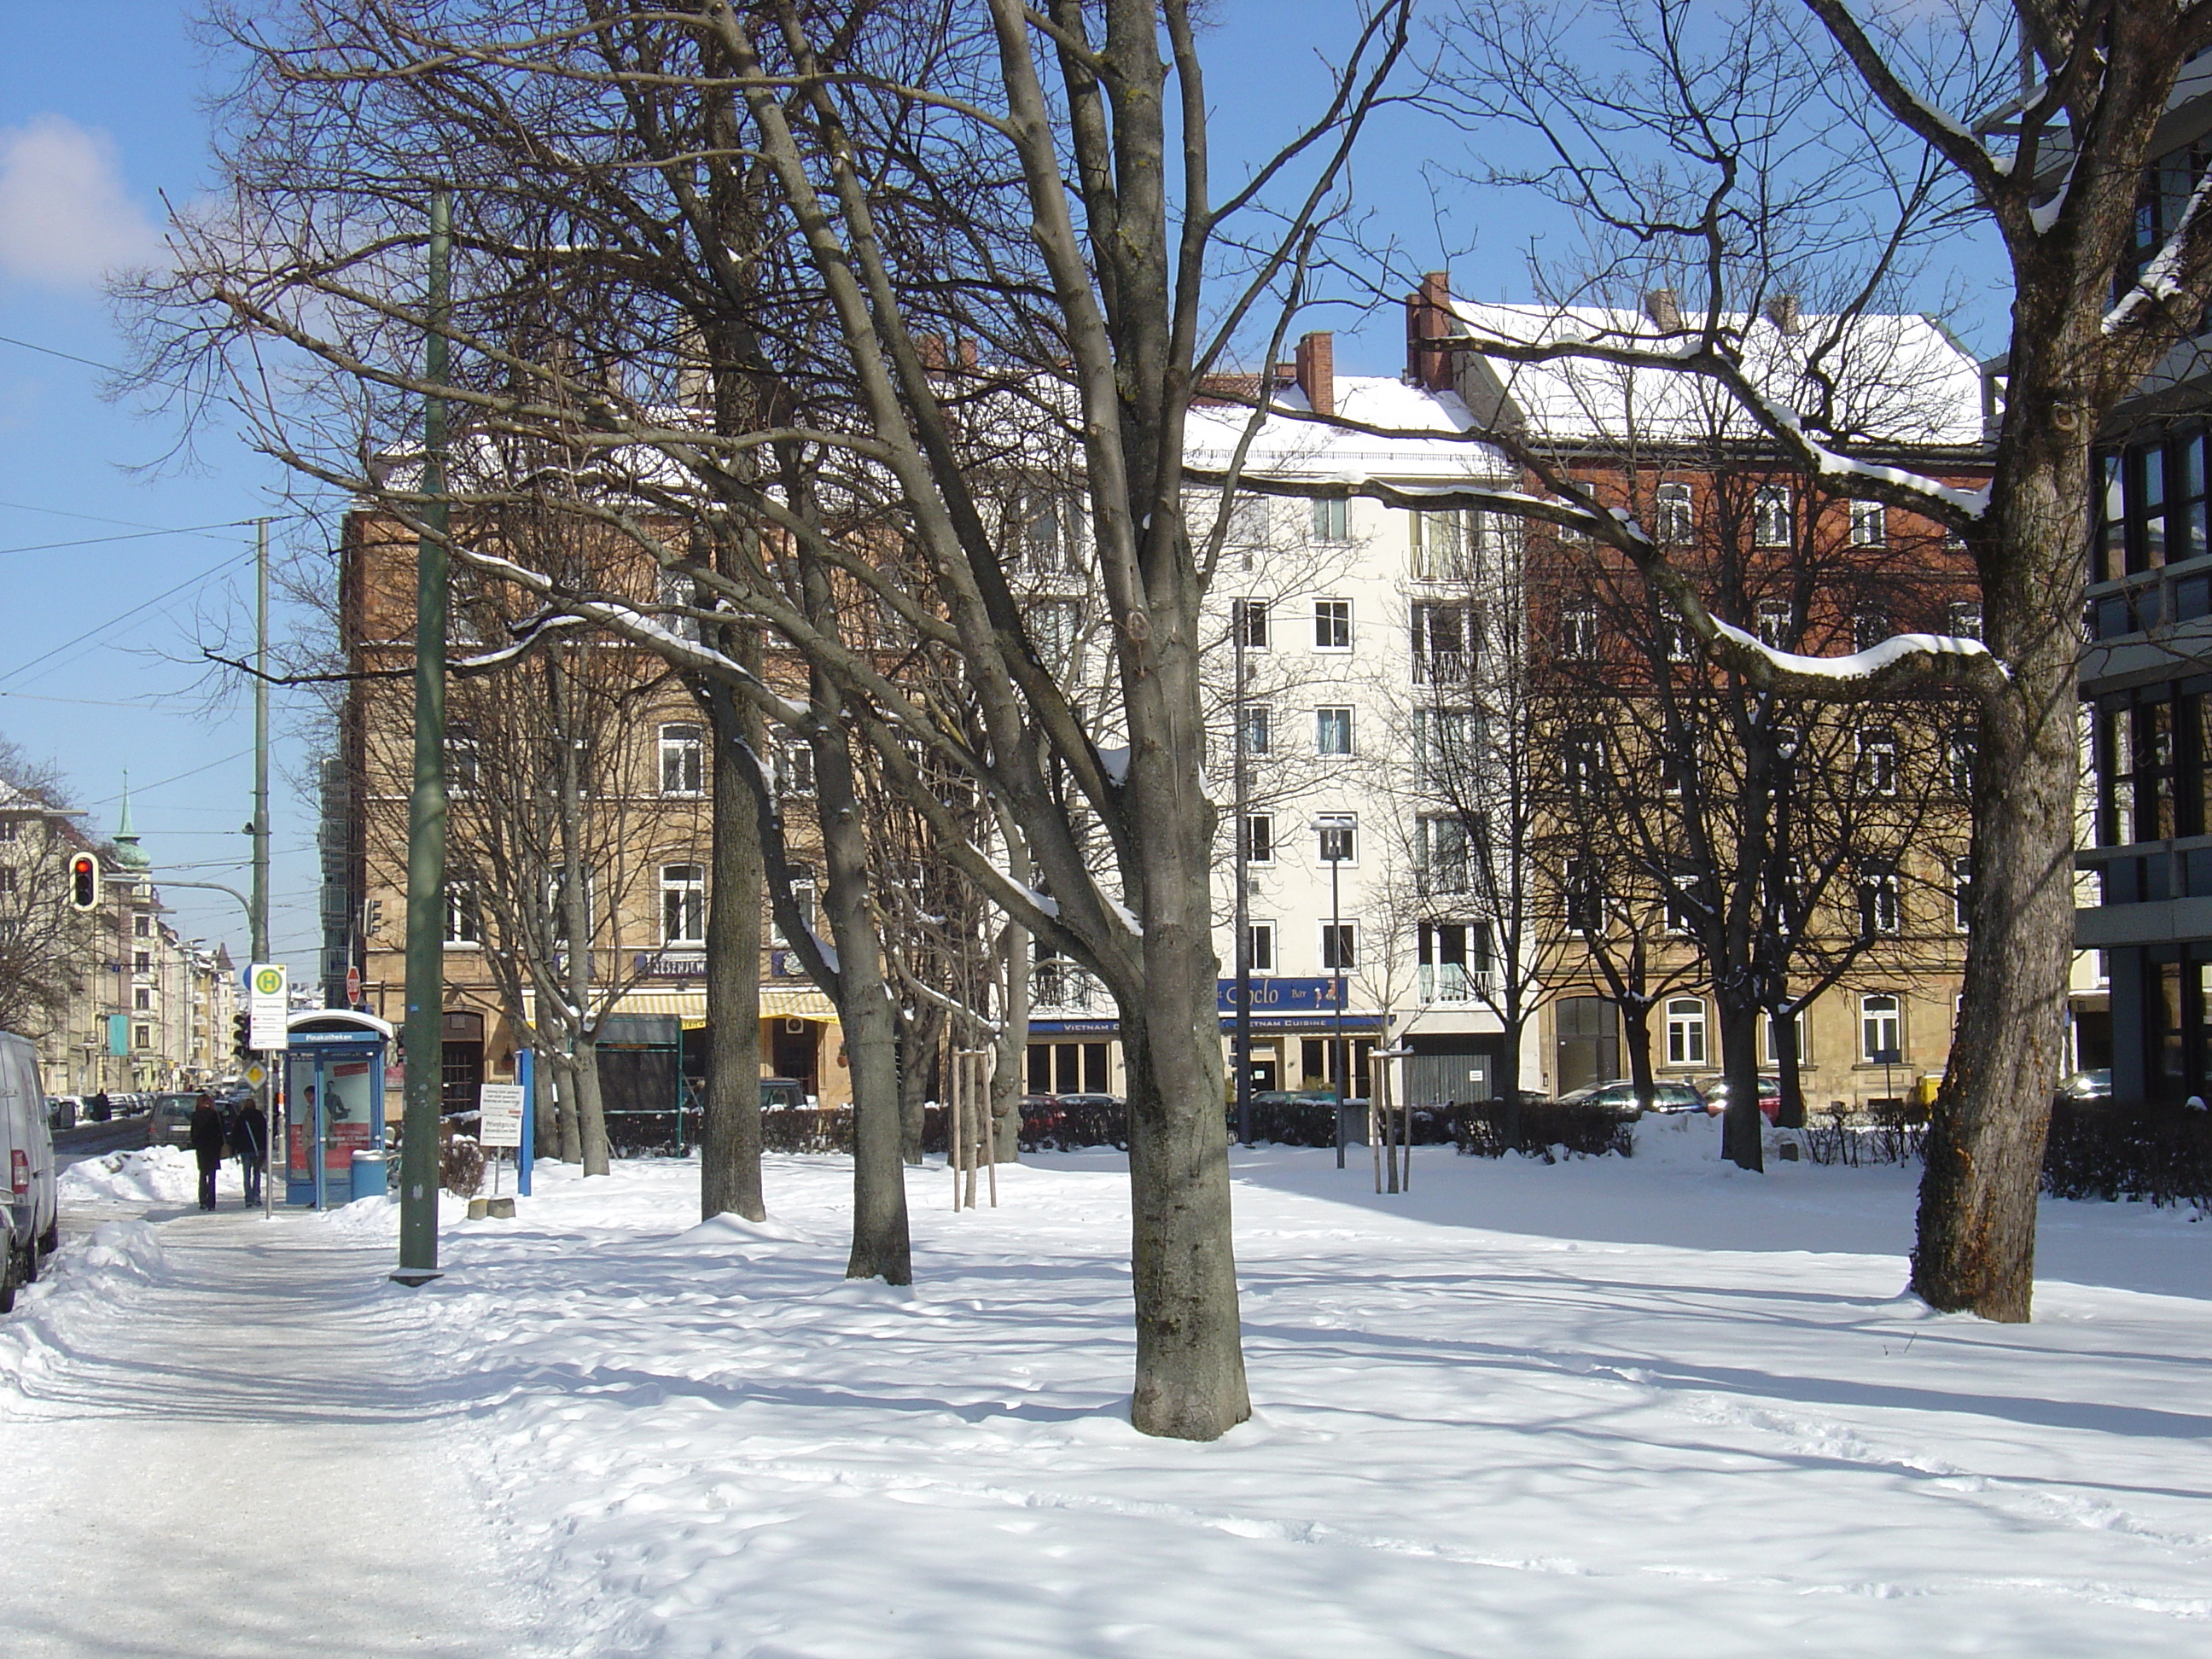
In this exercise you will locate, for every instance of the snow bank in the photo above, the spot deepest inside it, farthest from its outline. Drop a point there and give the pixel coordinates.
(152, 1174)
(1647, 1405)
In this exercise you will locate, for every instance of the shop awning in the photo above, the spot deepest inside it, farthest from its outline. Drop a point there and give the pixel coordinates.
(776, 1002)
(795, 1002)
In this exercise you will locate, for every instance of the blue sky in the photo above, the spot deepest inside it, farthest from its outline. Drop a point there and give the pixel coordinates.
(100, 118)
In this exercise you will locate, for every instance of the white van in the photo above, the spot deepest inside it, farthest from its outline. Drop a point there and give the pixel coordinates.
(29, 1214)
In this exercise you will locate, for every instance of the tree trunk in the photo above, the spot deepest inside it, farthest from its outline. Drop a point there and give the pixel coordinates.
(881, 1249)
(1789, 1113)
(1976, 1245)
(918, 1043)
(570, 1144)
(544, 1107)
(591, 1109)
(1636, 1035)
(1742, 1142)
(730, 1139)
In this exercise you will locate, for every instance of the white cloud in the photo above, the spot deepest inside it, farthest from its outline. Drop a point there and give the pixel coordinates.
(64, 219)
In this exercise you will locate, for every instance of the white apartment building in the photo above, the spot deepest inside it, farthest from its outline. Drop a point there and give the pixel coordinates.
(1345, 609)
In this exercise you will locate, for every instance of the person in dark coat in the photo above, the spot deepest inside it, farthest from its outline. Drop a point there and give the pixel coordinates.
(207, 1146)
(249, 1138)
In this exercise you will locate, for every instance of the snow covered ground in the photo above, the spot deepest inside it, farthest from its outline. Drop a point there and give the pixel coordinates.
(1641, 1408)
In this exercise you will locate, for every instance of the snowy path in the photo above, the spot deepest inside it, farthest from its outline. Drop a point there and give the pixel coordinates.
(230, 1458)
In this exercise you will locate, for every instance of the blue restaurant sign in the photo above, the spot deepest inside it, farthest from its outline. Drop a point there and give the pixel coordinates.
(1284, 996)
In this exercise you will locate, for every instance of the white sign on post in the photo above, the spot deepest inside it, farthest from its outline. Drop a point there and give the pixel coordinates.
(267, 1003)
(501, 1106)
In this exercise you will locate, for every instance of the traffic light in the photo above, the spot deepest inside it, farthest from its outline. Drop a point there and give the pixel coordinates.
(242, 1042)
(84, 882)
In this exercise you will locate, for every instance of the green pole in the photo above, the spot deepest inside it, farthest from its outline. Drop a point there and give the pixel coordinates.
(426, 807)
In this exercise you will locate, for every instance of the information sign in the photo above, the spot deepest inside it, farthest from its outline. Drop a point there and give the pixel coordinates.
(500, 1124)
(267, 1003)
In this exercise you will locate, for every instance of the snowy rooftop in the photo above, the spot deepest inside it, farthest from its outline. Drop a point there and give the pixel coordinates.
(1305, 448)
(1898, 379)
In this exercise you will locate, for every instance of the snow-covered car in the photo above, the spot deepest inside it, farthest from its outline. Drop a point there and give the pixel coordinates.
(29, 1211)
(170, 1122)
(1619, 1097)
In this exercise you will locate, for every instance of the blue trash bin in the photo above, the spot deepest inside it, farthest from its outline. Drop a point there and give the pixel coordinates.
(368, 1174)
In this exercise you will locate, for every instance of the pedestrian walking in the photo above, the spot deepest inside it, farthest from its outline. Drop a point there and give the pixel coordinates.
(249, 1139)
(207, 1146)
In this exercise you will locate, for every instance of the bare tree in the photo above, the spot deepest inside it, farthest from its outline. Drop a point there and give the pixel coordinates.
(1753, 155)
(47, 949)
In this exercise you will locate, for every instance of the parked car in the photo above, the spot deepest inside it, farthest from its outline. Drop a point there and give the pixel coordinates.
(63, 1111)
(2095, 1085)
(170, 1122)
(29, 1209)
(782, 1094)
(1769, 1097)
(1619, 1097)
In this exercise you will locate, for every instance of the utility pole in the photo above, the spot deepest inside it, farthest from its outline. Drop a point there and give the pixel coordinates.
(426, 804)
(1238, 622)
(258, 908)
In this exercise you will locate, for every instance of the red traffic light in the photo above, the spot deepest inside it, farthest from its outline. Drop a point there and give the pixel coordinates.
(84, 882)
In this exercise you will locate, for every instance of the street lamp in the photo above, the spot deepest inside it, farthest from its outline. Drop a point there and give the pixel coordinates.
(1334, 831)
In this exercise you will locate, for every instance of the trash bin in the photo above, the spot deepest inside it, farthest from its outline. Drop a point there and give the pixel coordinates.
(368, 1174)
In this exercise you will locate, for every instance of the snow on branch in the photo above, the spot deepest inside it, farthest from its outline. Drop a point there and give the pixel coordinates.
(1900, 652)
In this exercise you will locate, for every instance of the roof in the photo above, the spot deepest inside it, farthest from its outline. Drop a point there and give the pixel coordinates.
(1900, 379)
(1289, 447)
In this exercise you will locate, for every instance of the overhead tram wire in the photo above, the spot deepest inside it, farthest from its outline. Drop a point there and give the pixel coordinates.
(207, 575)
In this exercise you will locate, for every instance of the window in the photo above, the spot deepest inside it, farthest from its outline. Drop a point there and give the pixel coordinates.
(1963, 743)
(1445, 747)
(1252, 623)
(802, 900)
(1441, 846)
(1674, 514)
(1056, 627)
(463, 759)
(1772, 619)
(1332, 522)
(1677, 772)
(142, 999)
(1966, 619)
(678, 593)
(1868, 629)
(683, 760)
(1444, 641)
(1340, 946)
(1769, 1054)
(1259, 837)
(142, 961)
(1449, 958)
(1869, 524)
(1333, 730)
(1772, 512)
(1260, 946)
(1675, 642)
(1339, 837)
(142, 926)
(683, 904)
(1044, 542)
(1686, 1031)
(1583, 897)
(6, 877)
(1582, 760)
(1578, 630)
(144, 1038)
(1962, 894)
(1332, 624)
(1880, 915)
(790, 766)
(1877, 746)
(1439, 547)
(1682, 907)
(463, 925)
(556, 905)
(1258, 729)
(11, 829)
(1880, 1030)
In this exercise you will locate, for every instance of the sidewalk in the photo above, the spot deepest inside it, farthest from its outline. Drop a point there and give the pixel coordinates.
(239, 1464)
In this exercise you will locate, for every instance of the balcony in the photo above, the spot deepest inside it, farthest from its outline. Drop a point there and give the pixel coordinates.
(1446, 983)
(1064, 988)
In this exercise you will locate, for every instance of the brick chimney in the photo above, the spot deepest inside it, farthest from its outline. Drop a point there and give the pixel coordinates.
(1664, 307)
(1316, 370)
(1428, 319)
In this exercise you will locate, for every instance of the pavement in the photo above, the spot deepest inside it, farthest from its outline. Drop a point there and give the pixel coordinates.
(242, 1464)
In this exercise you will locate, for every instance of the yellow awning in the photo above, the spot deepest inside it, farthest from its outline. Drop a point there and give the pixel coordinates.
(776, 1002)
(796, 1002)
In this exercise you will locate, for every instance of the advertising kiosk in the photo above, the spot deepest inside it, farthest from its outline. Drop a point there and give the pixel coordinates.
(333, 1102)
